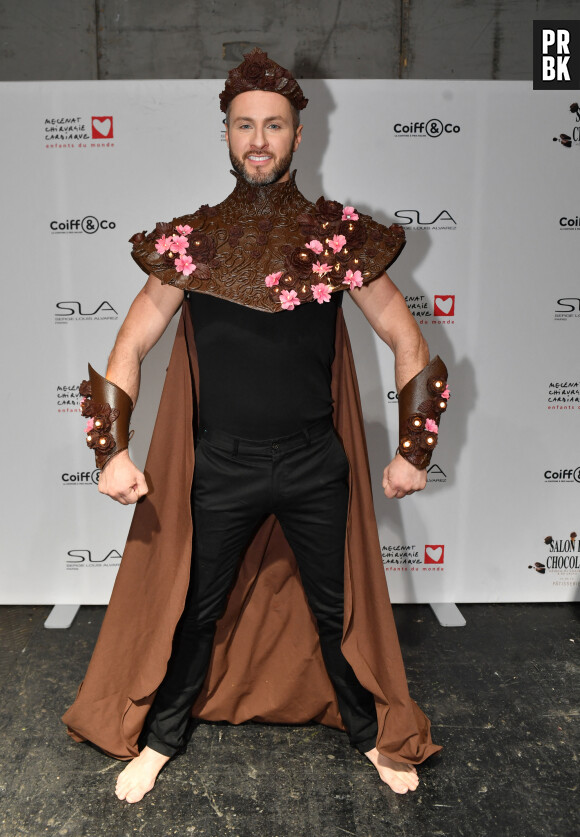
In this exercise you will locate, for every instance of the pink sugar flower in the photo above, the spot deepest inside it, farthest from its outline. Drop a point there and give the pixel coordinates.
(353, 280)
(315, 246)
(272, 279)
(90, 425)
(321, 292)
(446, 393)
(337, 243)
(289, 300)
(431, 426)
(321, 269)
(163, 244)
(184, 229)
(184, 265)
(179, 244)
(349, 214)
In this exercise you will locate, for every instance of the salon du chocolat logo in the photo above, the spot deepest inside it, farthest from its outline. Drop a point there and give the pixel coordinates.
(436, 310)
(561, 563)
(565, 139)
(79, 132)
(563, 394)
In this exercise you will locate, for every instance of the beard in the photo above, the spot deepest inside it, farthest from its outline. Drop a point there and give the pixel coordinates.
(262, 178)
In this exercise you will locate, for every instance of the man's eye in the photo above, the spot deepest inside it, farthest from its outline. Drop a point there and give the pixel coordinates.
(275, 126)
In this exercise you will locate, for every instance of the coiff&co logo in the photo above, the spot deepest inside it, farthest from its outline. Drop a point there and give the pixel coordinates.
(78, 132)
(89, 225)
(76, 478)
(430, 128)
(569, 475)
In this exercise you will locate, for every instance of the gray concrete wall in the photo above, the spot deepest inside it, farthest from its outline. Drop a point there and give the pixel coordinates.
(132, 39)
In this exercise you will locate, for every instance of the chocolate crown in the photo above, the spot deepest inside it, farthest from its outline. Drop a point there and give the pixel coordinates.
(258, 72)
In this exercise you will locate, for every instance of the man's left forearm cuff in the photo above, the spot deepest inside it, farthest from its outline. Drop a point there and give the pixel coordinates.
(421, 402)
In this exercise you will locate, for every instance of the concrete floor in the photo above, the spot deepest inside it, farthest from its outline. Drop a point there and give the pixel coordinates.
(503, 695)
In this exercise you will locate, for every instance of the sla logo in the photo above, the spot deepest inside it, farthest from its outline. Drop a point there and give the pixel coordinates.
(102, 127)
(444, 306)
(72, 310)
(434, 554)
(430, 128)
(556, 54)
(81, 558)
(568, 307)
(443, 221)
(436, 474)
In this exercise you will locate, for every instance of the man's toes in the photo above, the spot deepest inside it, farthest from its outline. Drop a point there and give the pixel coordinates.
(397, 785)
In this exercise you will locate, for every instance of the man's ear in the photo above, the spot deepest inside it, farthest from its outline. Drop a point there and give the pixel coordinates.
(297, 138)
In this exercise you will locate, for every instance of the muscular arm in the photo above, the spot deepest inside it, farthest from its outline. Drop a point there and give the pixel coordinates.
(386, 310)
(148, 317)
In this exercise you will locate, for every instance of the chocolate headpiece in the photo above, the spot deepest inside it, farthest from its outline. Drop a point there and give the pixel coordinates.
(258, 72)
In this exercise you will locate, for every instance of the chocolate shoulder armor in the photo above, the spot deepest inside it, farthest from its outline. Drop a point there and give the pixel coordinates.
(421, 402)
(269, 248)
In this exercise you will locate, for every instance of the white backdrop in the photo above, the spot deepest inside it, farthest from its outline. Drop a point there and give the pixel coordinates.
(489, 202)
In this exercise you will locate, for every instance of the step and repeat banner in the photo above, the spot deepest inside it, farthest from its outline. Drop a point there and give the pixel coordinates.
(484, 178)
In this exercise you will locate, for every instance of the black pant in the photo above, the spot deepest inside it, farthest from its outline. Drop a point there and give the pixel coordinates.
(303, 480)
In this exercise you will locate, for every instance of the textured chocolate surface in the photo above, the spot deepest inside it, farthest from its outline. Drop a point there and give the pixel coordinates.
(260, 230)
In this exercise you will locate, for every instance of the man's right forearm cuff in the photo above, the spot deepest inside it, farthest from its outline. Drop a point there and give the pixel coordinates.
(107, 409)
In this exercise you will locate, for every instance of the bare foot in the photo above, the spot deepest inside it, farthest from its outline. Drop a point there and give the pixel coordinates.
(399, 776)
(139, 776)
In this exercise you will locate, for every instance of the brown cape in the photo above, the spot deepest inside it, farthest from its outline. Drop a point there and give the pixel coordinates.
(266, 665)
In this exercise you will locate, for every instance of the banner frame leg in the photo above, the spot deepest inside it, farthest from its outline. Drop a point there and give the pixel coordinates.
(448, 614)
(61, 616)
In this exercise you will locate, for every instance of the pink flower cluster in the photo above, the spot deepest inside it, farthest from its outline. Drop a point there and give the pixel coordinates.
(336, 243)
(321, 269)
(321, 292)
(431, 426)
(353, 280)
(289, 300)
(178, 244)
(446, 394)
(273, 279)
(349, 214)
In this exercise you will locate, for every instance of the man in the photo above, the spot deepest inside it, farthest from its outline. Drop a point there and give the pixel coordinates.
(270, 366)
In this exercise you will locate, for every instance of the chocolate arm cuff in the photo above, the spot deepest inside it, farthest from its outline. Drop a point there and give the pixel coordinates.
(108, 409)
(421, 402)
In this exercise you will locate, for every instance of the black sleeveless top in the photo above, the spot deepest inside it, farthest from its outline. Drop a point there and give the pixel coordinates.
(263, 375)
